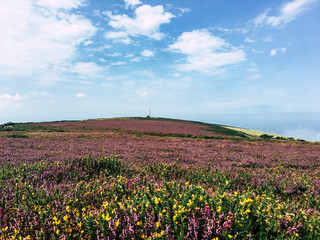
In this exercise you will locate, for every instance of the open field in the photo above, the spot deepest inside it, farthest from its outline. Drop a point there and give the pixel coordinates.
(155, 179)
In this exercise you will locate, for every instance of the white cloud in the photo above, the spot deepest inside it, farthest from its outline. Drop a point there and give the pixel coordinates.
(136, 59)
(60, 4)
(8, 101)
(118, 37)
(145, 73)
(147, 53)
(146, 22)
(267, 39)
(287, 13)
(132, 3)
(118, 63)
(102, 60)
(275, 51)
(87, 69)
(39, 37)
(86, 43)
(116, 54)
(249, 40)
(183, 11)
(142, 93)
(129, 55)
(205, 52)
(81, 95)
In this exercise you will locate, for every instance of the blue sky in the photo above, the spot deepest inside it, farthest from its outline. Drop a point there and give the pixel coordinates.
(252, 64)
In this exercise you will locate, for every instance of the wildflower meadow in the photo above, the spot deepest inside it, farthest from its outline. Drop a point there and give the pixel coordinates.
(91, 180)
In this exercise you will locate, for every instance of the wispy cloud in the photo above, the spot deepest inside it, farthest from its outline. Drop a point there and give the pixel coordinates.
(9, 101)
(146, 22)
(87, 70)
(275, 51)
(147, 53)
(205, 52)
(38, 37)
(81, 95)
(287, 13)
(132, 3)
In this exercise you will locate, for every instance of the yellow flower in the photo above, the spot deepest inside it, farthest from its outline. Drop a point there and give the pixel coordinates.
(157, 224)
(57, 232)
(105, 204)
(229, 236)
(65, 218)
(139, 223)
(219, 209)
(117, 223)
(189, 203)
(248, 211)
(156, 201)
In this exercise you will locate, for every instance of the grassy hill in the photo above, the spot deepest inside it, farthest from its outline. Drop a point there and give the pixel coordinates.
(147, 126)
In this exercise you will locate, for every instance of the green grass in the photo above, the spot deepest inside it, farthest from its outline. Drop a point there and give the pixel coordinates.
(16, 135)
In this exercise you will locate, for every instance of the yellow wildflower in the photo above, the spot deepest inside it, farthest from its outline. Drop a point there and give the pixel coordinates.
(189, 203)
(65, 218)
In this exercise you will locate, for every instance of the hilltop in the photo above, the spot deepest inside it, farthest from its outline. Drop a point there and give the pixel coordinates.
(147, 126)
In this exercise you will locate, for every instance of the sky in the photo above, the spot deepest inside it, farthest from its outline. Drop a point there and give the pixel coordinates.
(251, 64)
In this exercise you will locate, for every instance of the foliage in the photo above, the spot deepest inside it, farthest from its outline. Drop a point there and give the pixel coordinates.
(266, 136)
(16, 135)
(104, 198)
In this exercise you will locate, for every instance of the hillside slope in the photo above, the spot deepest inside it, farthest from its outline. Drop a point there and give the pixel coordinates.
(147, 126)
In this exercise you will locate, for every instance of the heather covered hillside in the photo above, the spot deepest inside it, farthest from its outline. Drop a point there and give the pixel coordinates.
(148, 178)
